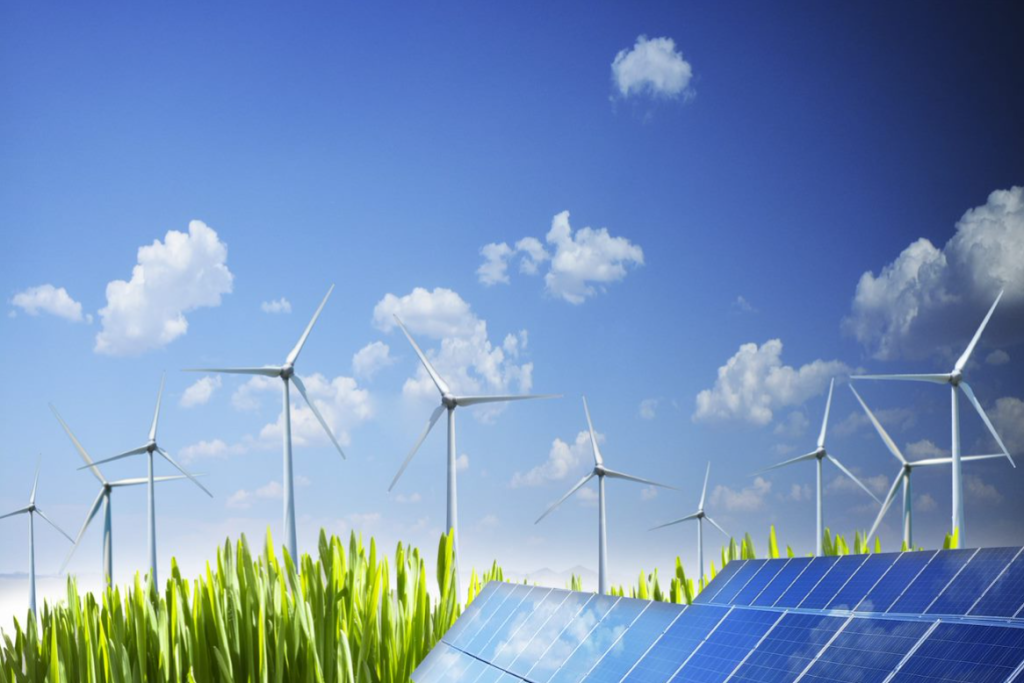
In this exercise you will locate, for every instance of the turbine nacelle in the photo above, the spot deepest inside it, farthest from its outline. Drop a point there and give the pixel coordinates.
(287, 371)
(449, 401)
(600, 470)
(956, 377)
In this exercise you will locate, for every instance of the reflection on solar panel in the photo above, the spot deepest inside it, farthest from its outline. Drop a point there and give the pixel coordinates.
(951, 615)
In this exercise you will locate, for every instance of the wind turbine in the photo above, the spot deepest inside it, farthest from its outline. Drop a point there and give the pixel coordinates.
(149, 448)
(819, 454)
(32, 511)
(450, 402)
(903, 477)
(287, 374)
(599, 471)
(103, 498)
(700, 516)
(956, 381)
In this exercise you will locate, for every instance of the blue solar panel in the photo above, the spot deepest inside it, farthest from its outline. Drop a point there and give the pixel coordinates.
(441, 656)
(606, 634)
(972, 581)
(769, 570)
(895, 581)
(570, 638)
(648, 627)
(965, 652)
(510, 639)
(782, 581)
(721, 579)
(469, 624)
(491, 675)
(832, 582)
(726, 647)
(862, 581)
(866, 651)
(787, 650)
(678, 642)
(806, 582)
(465, 670)
(729, 591)
(547, 634)
(931, 581)
(474, 609)
(1004, 597)
(509, 617)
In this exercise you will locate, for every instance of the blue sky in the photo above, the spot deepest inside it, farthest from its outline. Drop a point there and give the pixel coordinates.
(747, 174)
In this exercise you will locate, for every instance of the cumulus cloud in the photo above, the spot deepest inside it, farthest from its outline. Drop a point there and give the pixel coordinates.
(563, 459)
(930, 299)
(879, 484)
(795, 424)
(925, 503)
(578, 265)
(978, 489)
(370, 359)
(925, 448)
(184, 272)
(892, 418)
(741, 305)
(200, 391)
(213, 449)
(1008, 419)
(798, 493)
(754, 383)
(49, 299)
(649, 408)
(648, 493)
(243, 499)
(281, 305)
(462, 463)
(998, 357)
(748, 499)
(652, 67)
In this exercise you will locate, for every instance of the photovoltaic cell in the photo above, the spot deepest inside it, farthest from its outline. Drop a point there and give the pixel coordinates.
(726, 646)
(460, 635)
(832, 582)
(547, 634)
(866, 650)
(972, 581)
(931, 581)
(895, 581)
(757, 583)
(474, 610)
(782, 581)
(721, 580)
(600, 640)
(510, 639)
(647, 628)
(806, 582)
(678, 642)
(1004, 597)
(965, 652)
(749, 569)
(490, 675)
(509, 617)
(791, 645)
(435, 663)
(465, 670)
(862, 581)
(569, 639)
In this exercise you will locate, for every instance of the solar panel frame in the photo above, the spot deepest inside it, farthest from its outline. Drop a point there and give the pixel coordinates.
(463, 636)
(993, 602)
(739, 580)
(645, 632)
(987, 653)
(725, 576)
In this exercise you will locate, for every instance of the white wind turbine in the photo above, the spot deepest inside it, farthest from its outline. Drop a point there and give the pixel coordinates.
(599, 471)
(819, 454)
(450, 402)
(287, 374)
(106, 487)
(956, 381)
(903, 477)
(700, 516)
(32, 510)
(149, 448)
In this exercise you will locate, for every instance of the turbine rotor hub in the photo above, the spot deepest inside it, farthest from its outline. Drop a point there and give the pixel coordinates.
(287, 371)
(956, 377)
(449, 401)
(599, 470)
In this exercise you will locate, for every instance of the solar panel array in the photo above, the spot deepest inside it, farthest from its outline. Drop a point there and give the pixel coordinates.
(950, 615)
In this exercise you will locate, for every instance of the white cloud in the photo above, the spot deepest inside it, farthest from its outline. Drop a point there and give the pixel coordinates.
(247, 396)
(1008, 419)
(794, 425)
(652, 67)
(748, 499)
(281, 305)
(243, 499)
(648, 493)
(340, 400)
(171, 278)
(893, 418)
(798, 493)
(879, 484)
(563, 460)
(754, 383)
(216, 448)
(534, 255)
(408, 499)
(979, 490)
(742, 305)
(924, 448)
(998, 357)
(200, 391)
(370, 359)
(931, 300)
(649, 408)
(494, 269)
(925, 503)
(587, 496)
(49, 299)
(462, 463)
(514, 344)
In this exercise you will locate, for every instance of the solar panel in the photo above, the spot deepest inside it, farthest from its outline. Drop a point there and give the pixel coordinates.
(1006, 595)
(744, 574)
(508, 642)
(965, 652)
(866, 650)
(932, 580)
(758, 583)
(507, 611)
(832, 582)
(805, 583)
(726, 646)
(549, 632)
(570, 638)
(720, 581)
(678, 642)
(789, 648)
(782, 581)
(600, 640)
(862, 581)
(903, 571)
(647, 629)
(971, 582)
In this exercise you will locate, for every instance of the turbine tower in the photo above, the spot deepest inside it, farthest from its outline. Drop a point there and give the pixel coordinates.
(149, 448)
(955, 380)
(287, 374)
(103, 498)
(599, 471)
(700, 516)
(819, 454)
(31, 510)
(903, 477)
(450, 402)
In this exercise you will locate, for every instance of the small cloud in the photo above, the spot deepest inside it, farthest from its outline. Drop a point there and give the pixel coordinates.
(408, 499)
(648, 493)
(979, 490)
(794, 425)
(879, 484)
(924, 449)
(1008, 419)
(748, 499)
(200, 391)
(462, 463)
(998, 357)
(563, 459)
(243, 499)
(741, 305)
(372, 358)
(652, 67)
(487, 523)
(925, 503)
(281, 305)
(649, 408)
(49, 299)
(494, 269)
(799, 493)
(587, 496)
(215, 449)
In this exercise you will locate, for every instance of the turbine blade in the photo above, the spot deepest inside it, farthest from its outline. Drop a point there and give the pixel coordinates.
(88, 520)
(139, 481)
(293, 356)
(828, 407)
(992, 430)
(835, 461)
(181, 469)
(266, 371)
(715, 524)
(156, 414)
(889, 443)
(561, 500)
(891, 496)
(687, 518)
(430, 425)
(799, 458)
(16, 512)
(320, 418)
(438, 382)
(938, 378)
(990, 456)
(126, 454)
(475, 400)
(35, 484)
(50, 522)
(704, 491)
(939, 461)
(629, 477)
(962, 361)
(593, 435)
(78, 446)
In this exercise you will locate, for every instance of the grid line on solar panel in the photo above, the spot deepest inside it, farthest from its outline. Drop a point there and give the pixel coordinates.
(636, 642)
(998, 599)
(603, 638)
(972, 581)
(457, 637)
(866, 650)
(813, 573)
(677, 642)
(498, 618)
(932, 580)
(892, 584)
(571, 635)
(965, 652)
(531, 615)
(494, 636)
(832, 582)
(789, 648)
(549, 632)
(863, 580)
(759, 582)
(721, 580)
(783, 580)
(473, 610)
(739, 580)
(726, 646)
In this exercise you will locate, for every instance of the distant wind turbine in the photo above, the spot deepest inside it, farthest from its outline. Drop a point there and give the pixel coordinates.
(903, 477)
(956, 381)
(450, 402)
(820, 454)
(103, 498)
(33, 510)
(700, 516)
(287, 374)
(149, 448)
(599, 471)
